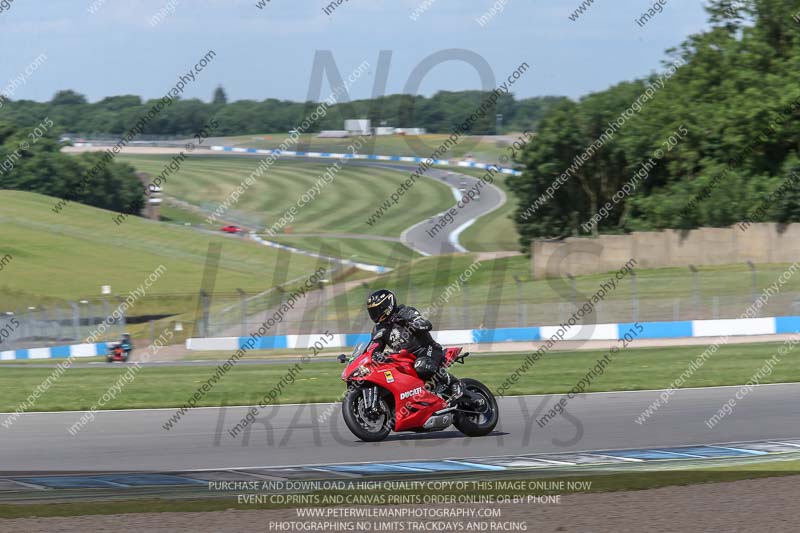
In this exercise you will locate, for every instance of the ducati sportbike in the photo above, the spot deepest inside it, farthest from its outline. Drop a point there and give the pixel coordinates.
(385, 394)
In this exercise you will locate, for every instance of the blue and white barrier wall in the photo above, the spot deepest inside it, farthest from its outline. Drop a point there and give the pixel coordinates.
(652, 330)
(55, 352)
(368, 157)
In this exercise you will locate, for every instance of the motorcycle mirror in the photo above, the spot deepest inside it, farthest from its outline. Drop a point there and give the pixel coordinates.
(342, 358)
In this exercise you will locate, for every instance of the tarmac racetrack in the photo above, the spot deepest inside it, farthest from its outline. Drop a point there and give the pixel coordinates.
(289, 435)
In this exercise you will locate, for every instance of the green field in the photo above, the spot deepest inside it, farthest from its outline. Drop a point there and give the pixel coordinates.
(507, 282)
(632, 369)
(369, 251)
(492, 232)
(68, 256)
(341, 206)
(502, 292)
(170, 212)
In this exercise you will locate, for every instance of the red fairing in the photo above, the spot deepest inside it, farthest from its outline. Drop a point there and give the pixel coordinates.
(117, 354)
(413, 403)
(450, 355)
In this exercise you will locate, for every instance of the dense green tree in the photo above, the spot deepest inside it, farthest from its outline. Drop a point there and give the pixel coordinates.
(36, 164)
(220, 98)
(732, 106)
(68, 98)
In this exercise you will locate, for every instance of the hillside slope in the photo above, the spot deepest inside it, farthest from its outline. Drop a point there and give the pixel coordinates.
(68, 256)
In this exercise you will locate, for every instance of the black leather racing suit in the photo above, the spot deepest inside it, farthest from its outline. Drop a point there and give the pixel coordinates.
(407, 329)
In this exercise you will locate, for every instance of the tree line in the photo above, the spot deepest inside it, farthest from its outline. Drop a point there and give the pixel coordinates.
(114, 115)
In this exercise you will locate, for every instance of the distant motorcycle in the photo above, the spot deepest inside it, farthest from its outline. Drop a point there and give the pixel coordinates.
(118, 351)
(385, 394)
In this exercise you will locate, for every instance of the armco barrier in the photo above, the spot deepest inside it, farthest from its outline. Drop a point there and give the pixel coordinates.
(55, 352)
(652, 330)
(367, 157)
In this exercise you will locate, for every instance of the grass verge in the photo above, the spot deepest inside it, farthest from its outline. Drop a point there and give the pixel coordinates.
(631, 369)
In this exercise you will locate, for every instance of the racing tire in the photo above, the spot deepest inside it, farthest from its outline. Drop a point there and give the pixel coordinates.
(482, 424)
(354, 417)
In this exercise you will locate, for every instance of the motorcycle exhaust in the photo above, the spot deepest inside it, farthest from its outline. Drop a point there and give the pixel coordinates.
(438, 422)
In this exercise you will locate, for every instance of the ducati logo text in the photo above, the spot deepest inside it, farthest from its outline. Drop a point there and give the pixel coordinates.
(410, 393)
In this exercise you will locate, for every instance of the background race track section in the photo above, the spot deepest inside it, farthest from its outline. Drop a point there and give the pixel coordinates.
(369, 157)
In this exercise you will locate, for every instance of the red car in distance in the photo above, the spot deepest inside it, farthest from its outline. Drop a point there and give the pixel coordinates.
(231, 229)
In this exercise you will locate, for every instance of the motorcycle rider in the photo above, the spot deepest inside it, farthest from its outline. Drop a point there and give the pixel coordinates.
(126, 344)
(399, 327)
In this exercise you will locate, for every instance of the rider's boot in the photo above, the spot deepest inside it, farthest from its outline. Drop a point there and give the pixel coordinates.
(456, 390)
(448, 385)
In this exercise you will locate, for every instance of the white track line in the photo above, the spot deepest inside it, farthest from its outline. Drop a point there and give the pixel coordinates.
(453, 238)
(321, 466)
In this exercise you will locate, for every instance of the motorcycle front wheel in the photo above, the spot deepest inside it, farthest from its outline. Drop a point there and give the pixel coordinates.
(369, 425)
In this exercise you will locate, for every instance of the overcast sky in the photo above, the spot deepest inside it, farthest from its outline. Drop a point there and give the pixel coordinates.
(269, 52)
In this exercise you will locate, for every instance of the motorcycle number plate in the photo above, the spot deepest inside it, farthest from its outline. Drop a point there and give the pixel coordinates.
(388, 375)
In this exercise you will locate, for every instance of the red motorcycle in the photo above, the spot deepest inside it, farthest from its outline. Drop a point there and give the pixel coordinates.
(116, 353)
(385, 394)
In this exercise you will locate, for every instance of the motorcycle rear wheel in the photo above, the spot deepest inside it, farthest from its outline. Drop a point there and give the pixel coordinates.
(477, 425)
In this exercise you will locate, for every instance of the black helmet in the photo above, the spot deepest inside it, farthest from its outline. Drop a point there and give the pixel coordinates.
(381, 304)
